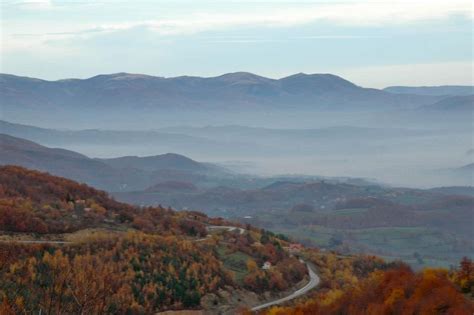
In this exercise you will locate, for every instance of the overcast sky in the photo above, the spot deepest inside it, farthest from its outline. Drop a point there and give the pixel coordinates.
(372, 43)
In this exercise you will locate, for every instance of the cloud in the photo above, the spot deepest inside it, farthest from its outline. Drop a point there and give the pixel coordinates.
(257, 40)
(49, 4)
(32, 4)
(366, 13)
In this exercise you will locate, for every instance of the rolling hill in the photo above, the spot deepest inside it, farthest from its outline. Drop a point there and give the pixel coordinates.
(157, 162)
(394, 222)
(16, 151)
(125, 173)
(455, 190)
(108, 138)
(453, 103)
(463, 174)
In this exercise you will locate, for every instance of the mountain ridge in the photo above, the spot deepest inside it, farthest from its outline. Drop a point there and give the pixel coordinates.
(140, 75)
(462, 103)
(125, 90)
(111, 174)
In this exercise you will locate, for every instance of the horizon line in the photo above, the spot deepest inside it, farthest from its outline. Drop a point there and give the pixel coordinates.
(224, 74)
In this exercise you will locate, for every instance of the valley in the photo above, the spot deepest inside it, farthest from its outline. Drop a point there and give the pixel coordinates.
(148, 259)
(424, 227)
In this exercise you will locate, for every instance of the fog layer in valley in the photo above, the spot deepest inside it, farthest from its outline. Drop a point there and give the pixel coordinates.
(409, 148)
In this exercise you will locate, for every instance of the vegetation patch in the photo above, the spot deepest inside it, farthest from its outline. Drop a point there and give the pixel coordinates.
(234, 261)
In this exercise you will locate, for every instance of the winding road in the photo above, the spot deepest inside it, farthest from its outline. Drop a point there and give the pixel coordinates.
(34, 242)
(226, 227)
(313, 282)
(313, 277)
(211, 227)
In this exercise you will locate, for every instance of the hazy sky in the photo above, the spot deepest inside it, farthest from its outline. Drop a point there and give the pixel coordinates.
(373, 43)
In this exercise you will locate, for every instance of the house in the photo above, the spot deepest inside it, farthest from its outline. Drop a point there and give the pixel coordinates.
(295, 248)
(267, 265)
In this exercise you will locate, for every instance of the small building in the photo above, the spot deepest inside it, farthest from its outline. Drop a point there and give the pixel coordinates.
(267, 265)
(295, 248)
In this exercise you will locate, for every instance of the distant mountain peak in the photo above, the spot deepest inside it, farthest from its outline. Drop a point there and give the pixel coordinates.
(317, 82)
(133, 76)
(122, 76)
(241, 76)
(299, 74)
(314, 75)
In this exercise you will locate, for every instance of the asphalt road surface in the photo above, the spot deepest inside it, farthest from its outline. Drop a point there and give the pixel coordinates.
(313, 282)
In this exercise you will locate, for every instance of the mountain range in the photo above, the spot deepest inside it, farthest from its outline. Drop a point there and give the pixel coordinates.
(246, 90)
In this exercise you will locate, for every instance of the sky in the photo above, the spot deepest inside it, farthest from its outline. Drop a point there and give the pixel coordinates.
(372, 43)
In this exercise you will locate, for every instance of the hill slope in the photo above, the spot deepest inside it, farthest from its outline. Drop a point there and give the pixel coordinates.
(388, 221)
(16, 151)
(454, 103)
(157, 162)
(116, 258)
(109, 138)
(125, 173)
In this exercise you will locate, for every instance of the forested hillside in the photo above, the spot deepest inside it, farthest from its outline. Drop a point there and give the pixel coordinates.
(66, 248)
(422, 227)
(392, 289)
